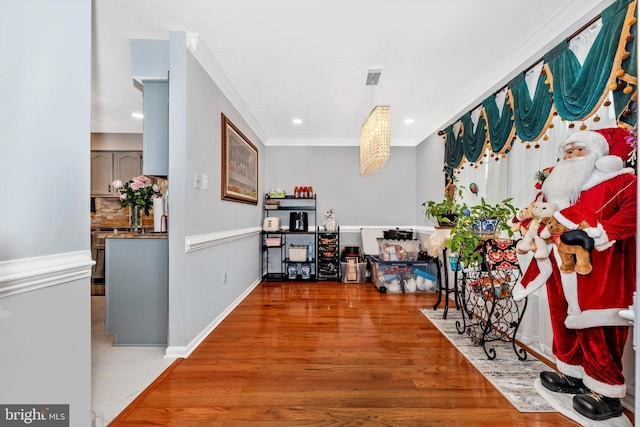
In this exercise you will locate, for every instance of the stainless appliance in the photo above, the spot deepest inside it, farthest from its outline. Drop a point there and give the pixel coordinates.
(298, 221)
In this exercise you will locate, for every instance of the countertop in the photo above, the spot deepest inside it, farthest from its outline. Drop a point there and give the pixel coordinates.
(130, 235)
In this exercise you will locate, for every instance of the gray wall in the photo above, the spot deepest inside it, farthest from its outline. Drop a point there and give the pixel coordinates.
(198, 296)
(429, 178)
(385, 198)
(45, 261)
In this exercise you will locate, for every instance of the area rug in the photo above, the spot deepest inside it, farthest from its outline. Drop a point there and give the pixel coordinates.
(513, 378)
(517, 380)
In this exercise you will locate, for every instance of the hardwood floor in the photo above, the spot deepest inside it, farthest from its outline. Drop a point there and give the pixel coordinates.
(326, 354)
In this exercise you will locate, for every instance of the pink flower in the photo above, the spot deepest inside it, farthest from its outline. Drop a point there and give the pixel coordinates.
(138, 191)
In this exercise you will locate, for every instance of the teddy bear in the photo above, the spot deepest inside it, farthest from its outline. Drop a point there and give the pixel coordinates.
(531, 240)
(522, 219)
(570, 244)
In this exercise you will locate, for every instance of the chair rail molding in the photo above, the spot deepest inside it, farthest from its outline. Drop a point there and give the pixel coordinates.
(202, 241)
(28, 274)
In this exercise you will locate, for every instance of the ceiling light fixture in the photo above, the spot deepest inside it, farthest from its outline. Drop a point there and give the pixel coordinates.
(137, 115)
(296, 121)
(375, 135)
(409, 121)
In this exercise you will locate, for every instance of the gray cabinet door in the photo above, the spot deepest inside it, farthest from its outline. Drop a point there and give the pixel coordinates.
(101, 173)
(136, 291)
(126, 165)
(107, 166)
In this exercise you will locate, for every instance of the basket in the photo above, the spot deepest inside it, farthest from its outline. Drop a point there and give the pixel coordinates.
(273, 241)
(271, 204)
(297, 253)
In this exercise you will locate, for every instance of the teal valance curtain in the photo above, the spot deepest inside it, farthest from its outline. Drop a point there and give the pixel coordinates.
(531, 115)
(579, 90)
(576, 91)
(625, 106)
(473, 142)
(453, 151)
(501, 130)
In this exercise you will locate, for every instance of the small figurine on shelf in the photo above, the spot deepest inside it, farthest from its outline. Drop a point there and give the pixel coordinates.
(330, 224)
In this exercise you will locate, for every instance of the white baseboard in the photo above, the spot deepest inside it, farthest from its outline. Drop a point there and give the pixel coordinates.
(175, 352)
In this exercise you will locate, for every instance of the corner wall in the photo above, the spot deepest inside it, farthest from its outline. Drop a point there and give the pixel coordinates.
(45, 260)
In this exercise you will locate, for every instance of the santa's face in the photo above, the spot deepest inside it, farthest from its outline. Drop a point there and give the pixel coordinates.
(573, 150)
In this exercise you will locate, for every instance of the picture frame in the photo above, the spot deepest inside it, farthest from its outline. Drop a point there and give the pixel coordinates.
(239, 165)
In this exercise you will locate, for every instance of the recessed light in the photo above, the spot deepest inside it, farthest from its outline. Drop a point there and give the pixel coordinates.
(408, 121)
(137, 115)
(296, 121)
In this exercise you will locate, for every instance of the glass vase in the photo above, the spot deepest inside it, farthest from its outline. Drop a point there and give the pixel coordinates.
(136, 217)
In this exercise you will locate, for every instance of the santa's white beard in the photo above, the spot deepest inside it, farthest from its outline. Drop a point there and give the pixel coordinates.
(565, 182)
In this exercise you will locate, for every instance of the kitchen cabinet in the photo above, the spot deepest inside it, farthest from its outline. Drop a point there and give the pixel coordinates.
(107, 166)
(296, 251)
(137, 289)
(155, 127)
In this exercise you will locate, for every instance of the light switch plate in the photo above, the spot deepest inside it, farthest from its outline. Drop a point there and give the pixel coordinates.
(205, 182)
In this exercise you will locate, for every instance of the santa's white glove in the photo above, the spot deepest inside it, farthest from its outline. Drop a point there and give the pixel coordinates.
(600, 239)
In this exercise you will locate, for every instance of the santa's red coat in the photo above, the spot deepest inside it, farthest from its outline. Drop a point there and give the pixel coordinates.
(595, 299)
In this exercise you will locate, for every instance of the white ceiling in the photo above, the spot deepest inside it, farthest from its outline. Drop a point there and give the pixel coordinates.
(286, 59)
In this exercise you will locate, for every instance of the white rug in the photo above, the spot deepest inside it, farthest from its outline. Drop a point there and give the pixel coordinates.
(514, 378)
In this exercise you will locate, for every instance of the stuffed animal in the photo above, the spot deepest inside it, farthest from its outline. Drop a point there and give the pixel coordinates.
(544, 209)
(522, 219)
(570, 244)
(531, 240)
(330, 224)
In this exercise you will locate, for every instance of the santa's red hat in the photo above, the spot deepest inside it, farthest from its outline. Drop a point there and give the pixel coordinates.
(594, 141)
(612, 146)
(621, 142)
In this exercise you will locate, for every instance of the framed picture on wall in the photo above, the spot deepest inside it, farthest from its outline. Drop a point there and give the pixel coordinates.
(239, 165)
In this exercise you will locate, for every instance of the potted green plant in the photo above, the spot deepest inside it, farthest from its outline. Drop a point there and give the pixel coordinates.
(446, 211)
(477, 222)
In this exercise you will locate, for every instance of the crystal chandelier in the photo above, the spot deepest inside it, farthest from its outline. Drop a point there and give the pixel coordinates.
(375, 140)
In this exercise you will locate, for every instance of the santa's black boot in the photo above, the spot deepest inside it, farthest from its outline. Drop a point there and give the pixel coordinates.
(561, 383)
(596, 406)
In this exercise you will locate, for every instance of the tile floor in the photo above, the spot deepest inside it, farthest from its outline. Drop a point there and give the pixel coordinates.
(118, 374)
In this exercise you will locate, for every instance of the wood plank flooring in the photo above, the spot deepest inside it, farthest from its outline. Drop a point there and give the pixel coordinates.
(326, 354)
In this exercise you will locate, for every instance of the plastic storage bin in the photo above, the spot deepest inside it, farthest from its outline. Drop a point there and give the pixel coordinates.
(404, 277)
(398, 250)
(353, 273)
(273, 241)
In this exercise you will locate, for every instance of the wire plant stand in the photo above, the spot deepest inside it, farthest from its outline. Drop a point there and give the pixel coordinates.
(489, 311)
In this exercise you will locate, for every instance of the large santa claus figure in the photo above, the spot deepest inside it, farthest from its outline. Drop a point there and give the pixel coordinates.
(592, 189)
